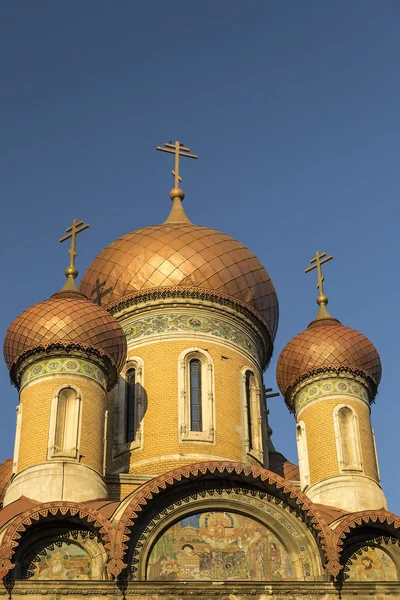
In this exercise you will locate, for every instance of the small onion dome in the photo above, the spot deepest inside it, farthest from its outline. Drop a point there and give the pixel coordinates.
(327, 346)
(178, 254)
(67, 320)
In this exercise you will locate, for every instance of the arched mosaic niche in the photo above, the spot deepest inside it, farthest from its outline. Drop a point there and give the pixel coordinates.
(226, 535)
(73, 555)
(374, 562)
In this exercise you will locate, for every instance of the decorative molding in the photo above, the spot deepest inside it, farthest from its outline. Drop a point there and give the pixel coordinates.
(70, 365)
(159, 324)
(197, 298)
(323, 386)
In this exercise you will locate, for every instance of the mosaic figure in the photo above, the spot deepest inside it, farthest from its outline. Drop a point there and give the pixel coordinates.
(373, 564)
(63, 562)
(218, 546)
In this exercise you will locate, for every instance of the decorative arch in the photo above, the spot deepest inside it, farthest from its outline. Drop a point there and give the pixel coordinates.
(378, 523)
(218, 470)
(23, 522)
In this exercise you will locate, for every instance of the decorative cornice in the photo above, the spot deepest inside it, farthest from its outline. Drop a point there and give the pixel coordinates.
(309, 377)
(322, 386)
(66, 351)
(71, 366)
(148, 326)
(197, 295)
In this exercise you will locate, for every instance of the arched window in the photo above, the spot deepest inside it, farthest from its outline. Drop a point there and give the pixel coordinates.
(196, 418)
(249, 375)
(302, 451)
(130, 388)
(347, 439)
(130, 406)
(196, 396)
(64, 424)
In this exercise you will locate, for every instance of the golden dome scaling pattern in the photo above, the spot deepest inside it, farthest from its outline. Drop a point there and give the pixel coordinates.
(65, 318)
(327, 345)
(184, 255)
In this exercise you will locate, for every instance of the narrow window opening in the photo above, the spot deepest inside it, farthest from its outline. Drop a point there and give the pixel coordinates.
(248, 409)
(65, 432)
(196, 421)
(130, 388)
(348, 439)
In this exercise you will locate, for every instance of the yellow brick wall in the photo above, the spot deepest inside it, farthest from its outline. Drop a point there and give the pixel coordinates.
(161, 417)
(320, 433)
(36, 400)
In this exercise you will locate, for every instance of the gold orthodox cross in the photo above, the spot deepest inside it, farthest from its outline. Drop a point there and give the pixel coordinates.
(72, 232)
(179, 150)
(316, 263)
(99, 292)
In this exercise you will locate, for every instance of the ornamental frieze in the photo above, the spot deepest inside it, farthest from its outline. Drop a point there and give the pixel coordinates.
(332, 386)
(185, 323)
(69, 365)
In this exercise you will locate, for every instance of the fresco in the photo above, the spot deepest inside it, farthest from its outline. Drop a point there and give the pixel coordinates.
(373, 564)
(218, 546)
(65, 561)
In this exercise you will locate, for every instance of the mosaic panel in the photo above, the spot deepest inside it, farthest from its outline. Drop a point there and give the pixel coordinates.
(227, 536)
(67, 365)
(218, 546)
(330, 387)
(371, 564)
(170, 323)
(63, 561)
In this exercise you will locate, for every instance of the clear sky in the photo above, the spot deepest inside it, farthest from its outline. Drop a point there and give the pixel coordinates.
(293, 109)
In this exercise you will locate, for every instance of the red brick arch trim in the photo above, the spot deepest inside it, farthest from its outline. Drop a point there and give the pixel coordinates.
(220, 469)
(35, 514)
(386, 519)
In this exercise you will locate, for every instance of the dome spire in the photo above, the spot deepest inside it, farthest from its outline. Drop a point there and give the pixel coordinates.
(177, 214)
(316, 263)
(71, 272)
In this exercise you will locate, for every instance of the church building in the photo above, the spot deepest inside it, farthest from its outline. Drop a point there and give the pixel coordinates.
(143, 462)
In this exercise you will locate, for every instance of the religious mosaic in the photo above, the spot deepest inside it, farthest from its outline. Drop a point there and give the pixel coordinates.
(169, 323)
(218, 545)
(61, 561)
(330, 387)
(371, 564)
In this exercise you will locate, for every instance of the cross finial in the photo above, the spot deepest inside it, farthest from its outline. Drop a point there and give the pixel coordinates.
(71, 272)
(316, 263)
(179, 150)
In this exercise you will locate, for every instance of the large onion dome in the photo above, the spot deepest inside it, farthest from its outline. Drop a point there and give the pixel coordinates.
(327, 346)
(66, 320)
(178, 254)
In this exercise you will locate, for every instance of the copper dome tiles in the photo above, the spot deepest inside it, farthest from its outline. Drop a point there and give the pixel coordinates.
(184, 255)
(327, 344)
(67, 317)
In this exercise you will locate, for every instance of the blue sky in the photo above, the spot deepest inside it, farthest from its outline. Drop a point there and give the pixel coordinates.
(293, 109)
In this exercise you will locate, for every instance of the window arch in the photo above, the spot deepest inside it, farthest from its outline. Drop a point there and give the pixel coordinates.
(65, 423)
(129, 407)
(302, 451)
(254, 426)
(196, 396)
(347, 438)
